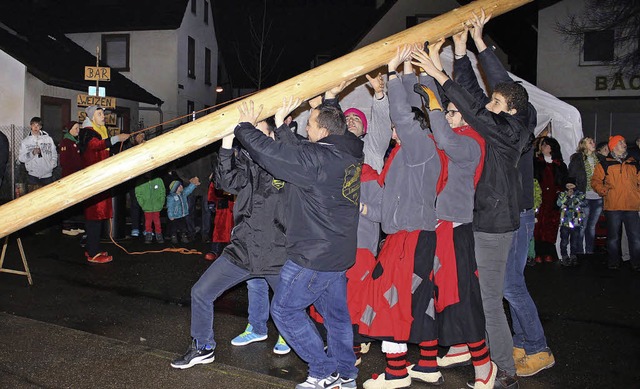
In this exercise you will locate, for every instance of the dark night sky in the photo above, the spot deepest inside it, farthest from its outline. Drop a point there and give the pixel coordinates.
(300, 29)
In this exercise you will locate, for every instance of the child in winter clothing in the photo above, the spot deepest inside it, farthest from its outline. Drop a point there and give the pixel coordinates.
(178, 209)
(571, 203)
(150, 194)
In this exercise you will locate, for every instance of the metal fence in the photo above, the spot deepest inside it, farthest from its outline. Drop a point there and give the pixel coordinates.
(15, 174)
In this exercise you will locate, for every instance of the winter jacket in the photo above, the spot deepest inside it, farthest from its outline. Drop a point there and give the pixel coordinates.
(323, 195)
(151, 195)
(70, 158)
(177, 205)
(409, 194)
(571, 208)
(620, 185)
(497, 208)
(455, 201)
(258, 238)
(578, 171)
(38, 166)
(95, 149)
(495, 73)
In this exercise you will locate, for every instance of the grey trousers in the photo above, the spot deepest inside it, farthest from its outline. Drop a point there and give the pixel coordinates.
(492, 251)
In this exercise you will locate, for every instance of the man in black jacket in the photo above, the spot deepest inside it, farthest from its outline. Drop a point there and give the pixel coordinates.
(257, 247)
(323, 178)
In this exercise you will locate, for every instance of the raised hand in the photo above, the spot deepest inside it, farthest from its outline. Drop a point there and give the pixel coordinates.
(333, 92)
(434, 53)
(403, 53)
(460, 41)
(248, 113)
(377, 84)
(477, 23)
(288, 105)
(314, 102)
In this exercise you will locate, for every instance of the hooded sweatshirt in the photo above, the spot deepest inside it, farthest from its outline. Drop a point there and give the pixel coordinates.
(38, 166)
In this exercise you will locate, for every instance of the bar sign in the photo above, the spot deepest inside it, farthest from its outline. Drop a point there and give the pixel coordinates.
(97, 73)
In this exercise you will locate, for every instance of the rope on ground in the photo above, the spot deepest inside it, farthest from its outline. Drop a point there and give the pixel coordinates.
(178, 250)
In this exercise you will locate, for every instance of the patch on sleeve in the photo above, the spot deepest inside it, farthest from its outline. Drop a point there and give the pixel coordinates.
(351, 185)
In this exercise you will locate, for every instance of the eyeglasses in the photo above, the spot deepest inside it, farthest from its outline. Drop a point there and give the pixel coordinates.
(450, 112)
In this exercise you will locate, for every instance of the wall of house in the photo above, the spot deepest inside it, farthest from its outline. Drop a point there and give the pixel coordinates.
(204, 35)
(12, 79)
(606, 109)
(152, 66)
(35, 89)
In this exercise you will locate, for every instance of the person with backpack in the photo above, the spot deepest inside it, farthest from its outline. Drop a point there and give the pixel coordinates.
(617, 180)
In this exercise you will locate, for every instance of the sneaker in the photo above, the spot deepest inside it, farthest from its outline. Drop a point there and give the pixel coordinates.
(248, 336)
(174, 239)
(565, 261)
(535, 363)
(454, 360)
(184, 238)
(381, 382)
(502, 381)
(193, 356)
(489, 382)
(434, 378)
(573, 260)
(281, 347)
(159, 237)
(148, 237)
(348, 383)
(99, 258)
(135, 233)
(331, 382)
(364, 347)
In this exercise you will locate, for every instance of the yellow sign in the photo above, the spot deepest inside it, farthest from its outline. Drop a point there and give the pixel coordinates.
(95, 73)
(104, 102)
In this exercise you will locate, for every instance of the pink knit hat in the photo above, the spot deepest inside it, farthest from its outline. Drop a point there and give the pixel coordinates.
(359, 114)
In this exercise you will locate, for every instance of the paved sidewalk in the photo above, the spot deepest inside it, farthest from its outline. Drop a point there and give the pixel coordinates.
(37, 354)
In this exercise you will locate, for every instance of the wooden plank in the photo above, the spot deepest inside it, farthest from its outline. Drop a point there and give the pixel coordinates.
(192, 136)
(84, 100)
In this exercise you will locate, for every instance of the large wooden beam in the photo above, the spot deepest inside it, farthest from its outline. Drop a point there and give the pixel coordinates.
(185, 139)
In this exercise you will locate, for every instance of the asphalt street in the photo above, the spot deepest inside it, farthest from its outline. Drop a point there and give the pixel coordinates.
(118, 325)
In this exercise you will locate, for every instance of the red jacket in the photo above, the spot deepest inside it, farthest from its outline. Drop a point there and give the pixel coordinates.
(70, 158)
(95, 149)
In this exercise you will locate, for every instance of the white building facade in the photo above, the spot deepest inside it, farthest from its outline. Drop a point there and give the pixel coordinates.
(609, 102)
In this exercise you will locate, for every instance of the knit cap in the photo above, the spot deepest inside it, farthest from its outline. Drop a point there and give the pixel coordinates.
(614, 140)
(90, 110)
(359, 114)
(174, 185)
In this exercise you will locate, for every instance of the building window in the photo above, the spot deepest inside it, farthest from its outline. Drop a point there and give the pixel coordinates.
(194, 6)
(206, 12)
(115, 51)
(191, 60)
(598, 47)
(207, 66)
(191, 107)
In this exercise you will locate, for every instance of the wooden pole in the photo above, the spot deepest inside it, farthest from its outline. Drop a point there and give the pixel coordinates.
(185, 139)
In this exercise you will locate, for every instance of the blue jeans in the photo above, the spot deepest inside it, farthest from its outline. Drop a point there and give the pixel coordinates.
(219, 277)
(631, 221)
(258, 304)
(327, 291)
(591, 215)
(527, 329)
(572, 237)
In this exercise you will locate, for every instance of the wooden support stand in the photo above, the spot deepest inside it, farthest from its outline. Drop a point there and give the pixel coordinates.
(26, 271)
